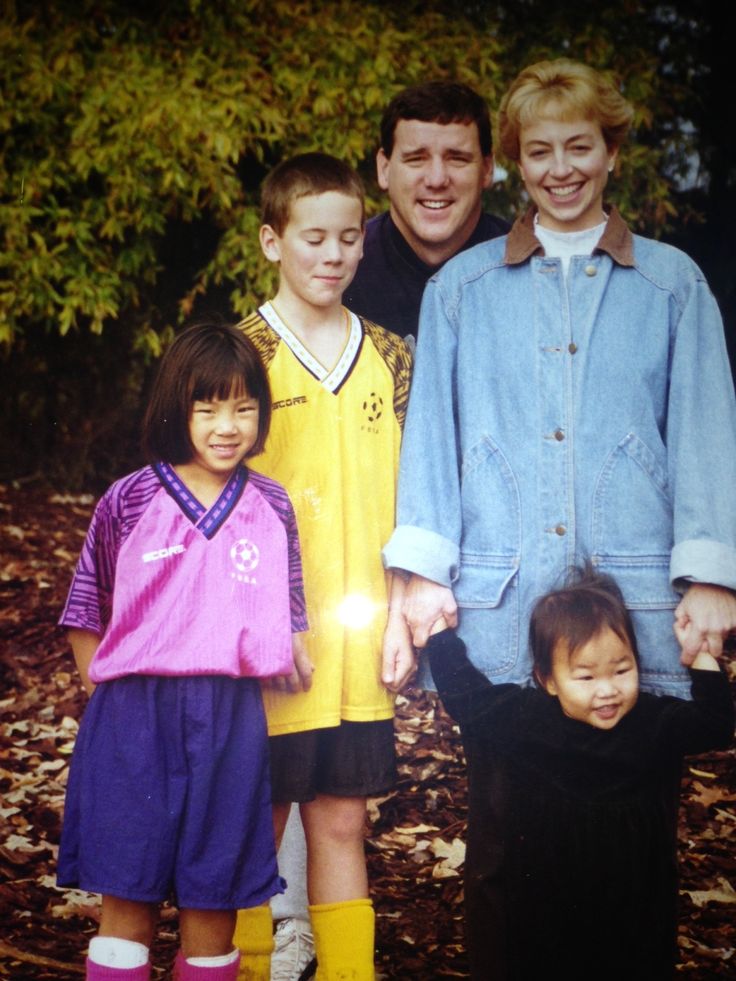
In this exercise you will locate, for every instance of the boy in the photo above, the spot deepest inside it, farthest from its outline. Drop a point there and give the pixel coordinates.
(339, 388)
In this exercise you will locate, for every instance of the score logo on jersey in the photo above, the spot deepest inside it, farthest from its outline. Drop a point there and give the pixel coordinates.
(245, 557)
(162, 553)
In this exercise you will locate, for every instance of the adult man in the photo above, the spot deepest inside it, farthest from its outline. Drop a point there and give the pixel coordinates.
(434, 162)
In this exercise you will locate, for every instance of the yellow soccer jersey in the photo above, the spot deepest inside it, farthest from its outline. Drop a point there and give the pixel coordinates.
(334, 444)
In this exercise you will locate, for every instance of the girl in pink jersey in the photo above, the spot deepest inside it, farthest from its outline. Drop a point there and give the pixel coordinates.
(187, 591)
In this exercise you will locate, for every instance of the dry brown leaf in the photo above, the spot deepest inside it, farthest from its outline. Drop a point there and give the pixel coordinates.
(724, 893)
(710, 795)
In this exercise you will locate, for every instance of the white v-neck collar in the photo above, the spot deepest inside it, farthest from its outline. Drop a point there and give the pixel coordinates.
(332, 379)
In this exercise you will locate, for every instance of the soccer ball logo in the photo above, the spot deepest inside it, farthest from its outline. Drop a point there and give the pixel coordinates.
(245, 555)
(373, 407)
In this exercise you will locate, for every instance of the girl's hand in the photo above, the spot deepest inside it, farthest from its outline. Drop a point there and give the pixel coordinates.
(438, 626)
(704, 616)
(84, 644)
(398, 660)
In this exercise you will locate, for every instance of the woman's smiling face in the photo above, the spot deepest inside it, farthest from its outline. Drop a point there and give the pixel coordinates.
(565, 166)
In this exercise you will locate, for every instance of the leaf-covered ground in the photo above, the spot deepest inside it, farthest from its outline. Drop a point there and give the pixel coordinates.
(415, 843)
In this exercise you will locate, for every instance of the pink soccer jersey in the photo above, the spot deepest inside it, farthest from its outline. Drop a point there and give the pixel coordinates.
(176, 589)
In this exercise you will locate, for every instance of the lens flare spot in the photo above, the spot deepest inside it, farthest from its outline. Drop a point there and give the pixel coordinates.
(356, 611)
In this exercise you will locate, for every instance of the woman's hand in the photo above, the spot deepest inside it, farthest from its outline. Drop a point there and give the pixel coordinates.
(424, 603)
(704, 616)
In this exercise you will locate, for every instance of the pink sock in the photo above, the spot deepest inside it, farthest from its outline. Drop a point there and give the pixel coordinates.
(183, 971)
(98, 972)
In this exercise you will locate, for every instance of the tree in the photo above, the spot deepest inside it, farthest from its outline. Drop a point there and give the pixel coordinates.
(135, 139)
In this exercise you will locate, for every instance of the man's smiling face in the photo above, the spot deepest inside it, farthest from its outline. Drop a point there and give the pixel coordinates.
(434, 179)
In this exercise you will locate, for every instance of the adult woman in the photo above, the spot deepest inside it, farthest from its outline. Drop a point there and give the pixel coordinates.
(581, 407)
(571, 400)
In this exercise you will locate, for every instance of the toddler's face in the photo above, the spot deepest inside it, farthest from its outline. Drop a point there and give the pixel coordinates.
(599, 683)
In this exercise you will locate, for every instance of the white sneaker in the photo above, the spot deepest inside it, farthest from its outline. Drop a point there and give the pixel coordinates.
(293, 951)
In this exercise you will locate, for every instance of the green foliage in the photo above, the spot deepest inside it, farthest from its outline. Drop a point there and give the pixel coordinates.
(114, 127)
(134, 138)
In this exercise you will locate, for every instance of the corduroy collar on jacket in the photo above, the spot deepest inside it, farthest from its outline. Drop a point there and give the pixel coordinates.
(616, 240)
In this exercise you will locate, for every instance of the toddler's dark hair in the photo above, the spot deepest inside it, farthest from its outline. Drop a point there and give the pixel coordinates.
(588, 602)
(208, 360)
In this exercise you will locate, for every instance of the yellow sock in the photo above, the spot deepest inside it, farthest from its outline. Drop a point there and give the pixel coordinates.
(344, 935)
(254, 939)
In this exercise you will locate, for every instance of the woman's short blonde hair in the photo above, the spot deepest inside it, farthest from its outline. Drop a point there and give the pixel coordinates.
(566, 90)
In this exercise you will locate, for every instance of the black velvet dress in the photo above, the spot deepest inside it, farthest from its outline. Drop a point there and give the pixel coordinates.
(571, 855)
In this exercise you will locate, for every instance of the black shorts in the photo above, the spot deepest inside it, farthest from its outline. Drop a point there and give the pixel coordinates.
(354, 759)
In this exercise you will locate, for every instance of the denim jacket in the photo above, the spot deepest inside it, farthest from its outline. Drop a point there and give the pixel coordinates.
(553, 421)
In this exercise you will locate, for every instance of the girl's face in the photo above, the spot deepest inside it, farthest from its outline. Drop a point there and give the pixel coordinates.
(599, 683)
(222, 432)
(565, 167)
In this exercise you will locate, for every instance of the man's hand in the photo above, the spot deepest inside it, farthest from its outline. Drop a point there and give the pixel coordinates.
(424, 603)
(704, 616)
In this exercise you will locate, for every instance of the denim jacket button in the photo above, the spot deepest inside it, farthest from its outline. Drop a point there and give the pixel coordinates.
(590, 270)
(561, 530)
(559, 435)
(572, 347)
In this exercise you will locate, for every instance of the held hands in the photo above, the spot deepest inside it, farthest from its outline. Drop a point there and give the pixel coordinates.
(704, 616)
(417, 609)
(438, 626)
(425, 602)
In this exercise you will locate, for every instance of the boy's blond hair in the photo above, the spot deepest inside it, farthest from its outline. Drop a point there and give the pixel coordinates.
(563, 89)
(305, 174)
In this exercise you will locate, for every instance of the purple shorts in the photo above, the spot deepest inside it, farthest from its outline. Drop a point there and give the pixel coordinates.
(169, 794)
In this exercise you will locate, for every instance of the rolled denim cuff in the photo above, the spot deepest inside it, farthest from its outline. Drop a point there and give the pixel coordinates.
(700, 560)
(424, 553)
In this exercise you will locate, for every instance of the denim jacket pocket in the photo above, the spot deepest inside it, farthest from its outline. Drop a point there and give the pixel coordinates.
(487, 594)
(644, 580)
(491, 503)
(632, 510)
(483, 580)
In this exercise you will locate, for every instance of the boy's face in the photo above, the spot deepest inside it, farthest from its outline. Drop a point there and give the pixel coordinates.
(599, 683)
(318, 250)
(435, 177)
